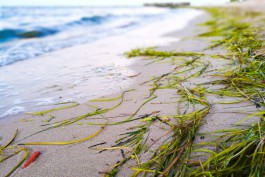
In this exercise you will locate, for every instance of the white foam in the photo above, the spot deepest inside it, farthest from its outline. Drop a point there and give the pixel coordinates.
(13, 111)
(68, 100)
(81, 95)
(45, 101)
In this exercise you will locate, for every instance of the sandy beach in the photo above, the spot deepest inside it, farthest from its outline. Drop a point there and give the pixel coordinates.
(108, 118)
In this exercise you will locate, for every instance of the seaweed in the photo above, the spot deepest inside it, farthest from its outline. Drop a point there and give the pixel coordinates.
(230, 152)
(156, 53)
(14, 151)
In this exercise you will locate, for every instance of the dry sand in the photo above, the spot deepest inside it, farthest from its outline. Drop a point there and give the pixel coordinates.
(78, 159)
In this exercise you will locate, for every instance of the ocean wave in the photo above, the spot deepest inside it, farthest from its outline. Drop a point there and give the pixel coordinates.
(89, 20)
(11, 34)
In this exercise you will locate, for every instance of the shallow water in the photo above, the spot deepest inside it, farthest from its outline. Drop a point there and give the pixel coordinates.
(82, 71)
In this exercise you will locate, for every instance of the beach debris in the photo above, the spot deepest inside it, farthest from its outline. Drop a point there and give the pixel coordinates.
(155, 112)
(122, 153)
(132, 76)
(51, 118)
(42, 113)
(26, 120)
(31, 159)
(66, 142)
(149, 52)
(97, 144)
(14, 150)
(260, 52)
(79, 123)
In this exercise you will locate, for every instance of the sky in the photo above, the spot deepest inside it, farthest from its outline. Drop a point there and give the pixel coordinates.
(96, 2)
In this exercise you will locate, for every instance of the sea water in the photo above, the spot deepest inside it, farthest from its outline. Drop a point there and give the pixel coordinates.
(50, 55)
(53, 28)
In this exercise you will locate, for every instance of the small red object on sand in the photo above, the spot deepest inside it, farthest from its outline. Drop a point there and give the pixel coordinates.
(32, 158)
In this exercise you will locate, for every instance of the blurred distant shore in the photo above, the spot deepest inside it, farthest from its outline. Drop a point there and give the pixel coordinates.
(168, 5)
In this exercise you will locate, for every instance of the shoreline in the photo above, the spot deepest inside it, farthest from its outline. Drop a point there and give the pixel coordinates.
(67, 80)
(152, 108)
